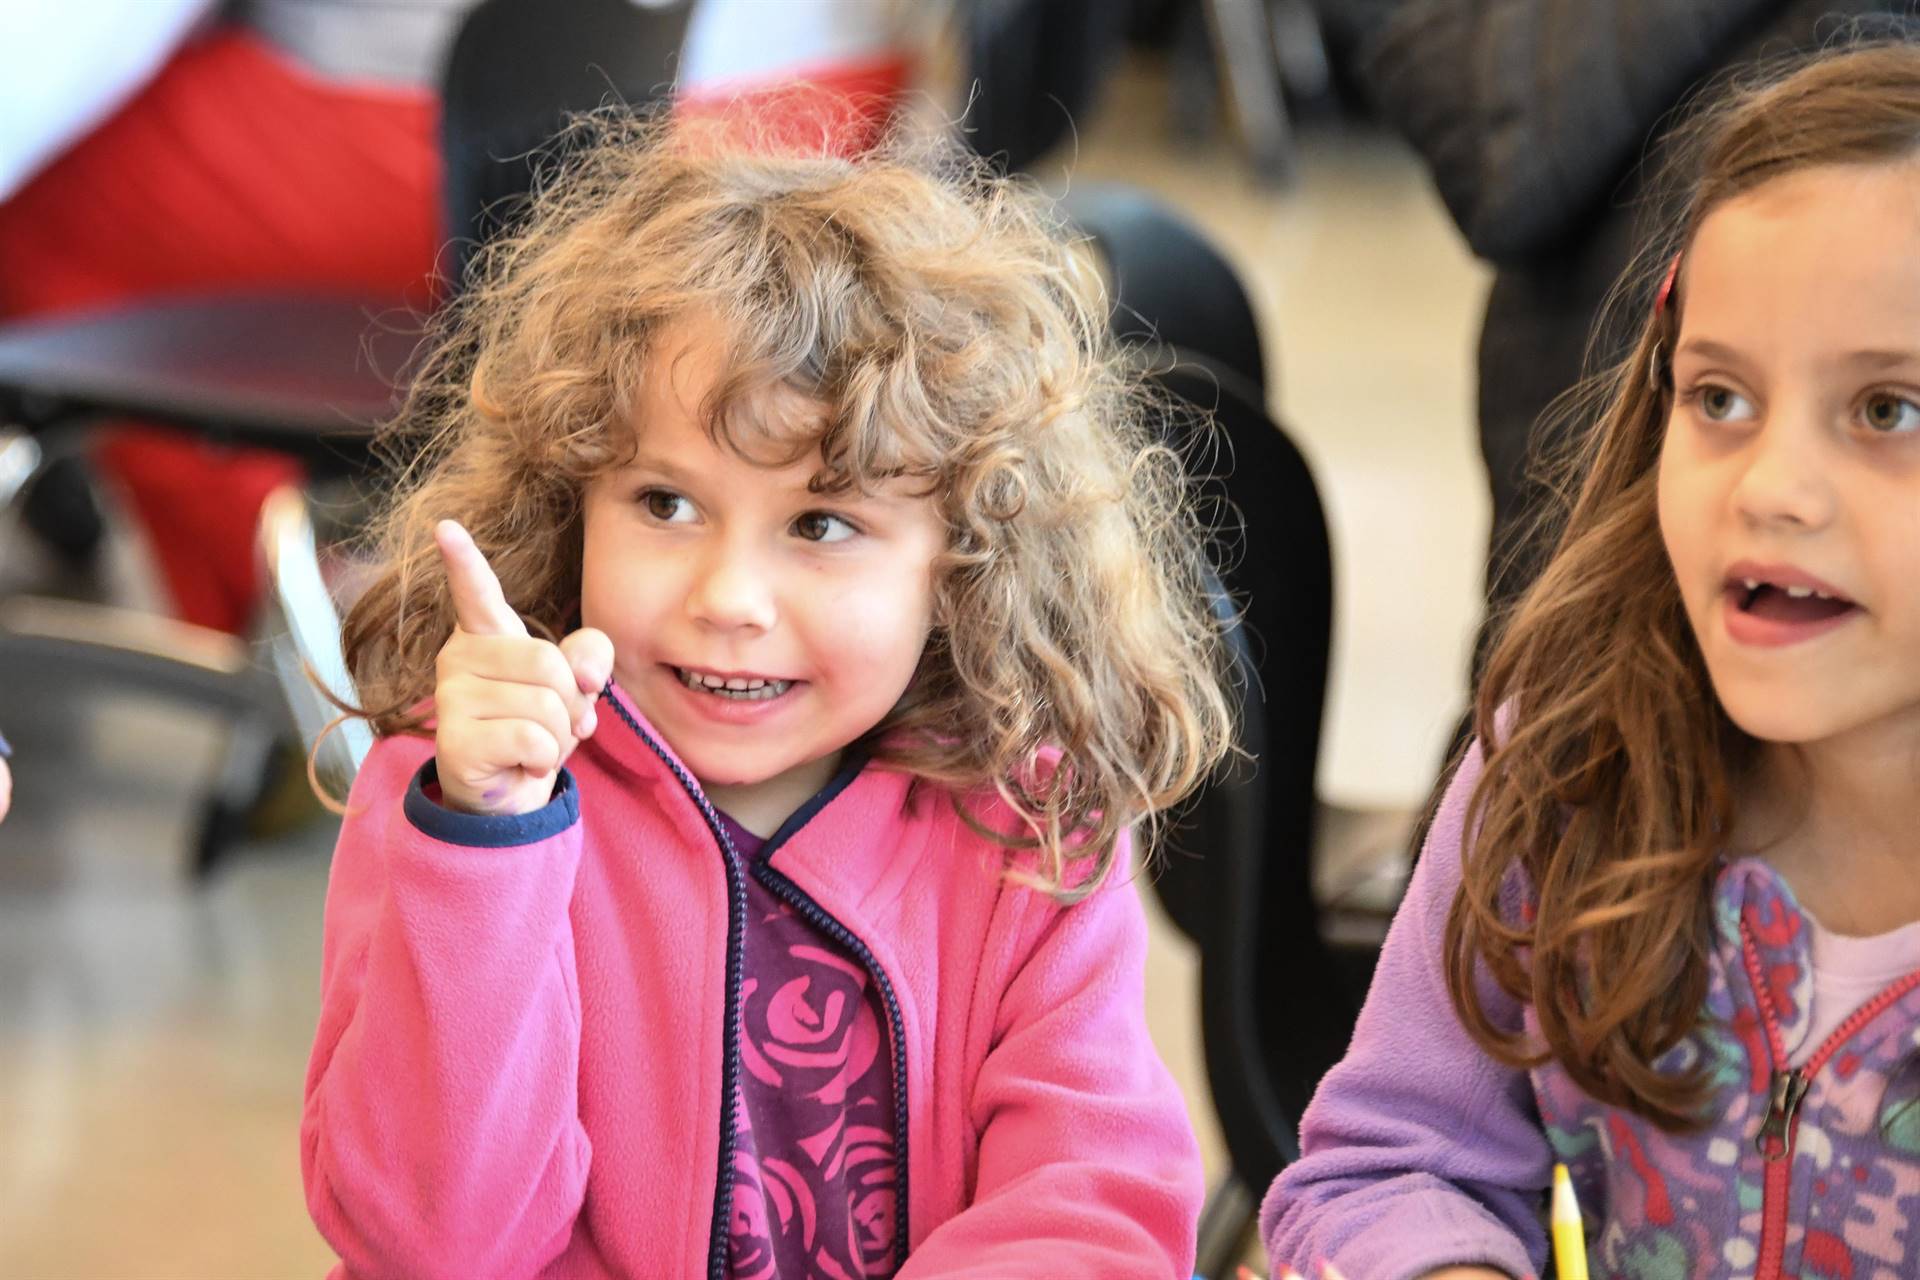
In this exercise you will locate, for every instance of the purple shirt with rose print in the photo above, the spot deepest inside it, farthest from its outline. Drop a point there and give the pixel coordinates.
(813, 1158)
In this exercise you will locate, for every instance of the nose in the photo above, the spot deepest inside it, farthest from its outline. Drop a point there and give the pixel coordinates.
(732, 589)
(1785, 482)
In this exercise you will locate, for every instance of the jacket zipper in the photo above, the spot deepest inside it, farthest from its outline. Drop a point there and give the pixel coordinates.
(1787, 1086)
(817, 916)
(720, 1234)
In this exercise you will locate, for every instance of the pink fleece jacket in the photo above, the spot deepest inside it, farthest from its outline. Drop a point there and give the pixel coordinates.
(528, 1032)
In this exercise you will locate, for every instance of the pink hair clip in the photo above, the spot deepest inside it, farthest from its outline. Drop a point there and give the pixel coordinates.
(1665, 295)
(1657, 363)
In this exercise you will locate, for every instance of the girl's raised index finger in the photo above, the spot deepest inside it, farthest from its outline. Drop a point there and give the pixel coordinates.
(478, 603)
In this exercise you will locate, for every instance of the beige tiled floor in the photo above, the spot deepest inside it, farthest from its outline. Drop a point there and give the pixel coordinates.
(152, 1039)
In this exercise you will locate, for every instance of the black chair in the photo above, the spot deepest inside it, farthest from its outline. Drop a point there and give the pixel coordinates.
(1238, 879)
(1034, 66)
(1277, 1000)
(511, 81)
(308, 375)
(1170, 285)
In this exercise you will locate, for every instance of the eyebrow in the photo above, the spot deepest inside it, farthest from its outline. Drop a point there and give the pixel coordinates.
(1871, 359)
(1881, 359)
(660, 467)
(1709, 349)
(680, 476)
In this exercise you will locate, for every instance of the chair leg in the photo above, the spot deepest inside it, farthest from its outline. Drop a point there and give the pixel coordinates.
(1242, 34)
(1226, 1228)
(245, 760)
(19, 460)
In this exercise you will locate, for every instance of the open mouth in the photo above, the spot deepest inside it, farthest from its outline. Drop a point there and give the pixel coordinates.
(732, 688)
(1791, 605)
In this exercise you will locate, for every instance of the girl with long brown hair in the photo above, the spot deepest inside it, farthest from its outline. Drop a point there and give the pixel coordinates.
(786, 618)
(1665, 928)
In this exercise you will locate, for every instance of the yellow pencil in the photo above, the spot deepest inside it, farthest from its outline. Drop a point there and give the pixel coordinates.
(1569, 1238)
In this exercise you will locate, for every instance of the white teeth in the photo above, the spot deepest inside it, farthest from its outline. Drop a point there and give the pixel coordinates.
(740, 688)
(1796, 593)
(723, 682)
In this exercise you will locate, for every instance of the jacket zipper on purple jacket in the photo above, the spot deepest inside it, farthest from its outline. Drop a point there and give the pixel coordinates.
(1787, 1086)
(720, 1234)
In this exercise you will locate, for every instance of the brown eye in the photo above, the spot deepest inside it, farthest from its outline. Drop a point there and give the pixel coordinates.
(822, 526)
(1887, 414)
(1716, 403)
(662, 504)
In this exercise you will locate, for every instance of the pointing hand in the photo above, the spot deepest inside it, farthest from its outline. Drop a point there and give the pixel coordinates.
(509, 708)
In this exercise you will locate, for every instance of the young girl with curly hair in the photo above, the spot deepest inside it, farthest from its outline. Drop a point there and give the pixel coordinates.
(1666, 926)
(785, 622)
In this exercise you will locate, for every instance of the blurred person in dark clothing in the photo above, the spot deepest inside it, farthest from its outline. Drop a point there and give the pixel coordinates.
(1538, 119)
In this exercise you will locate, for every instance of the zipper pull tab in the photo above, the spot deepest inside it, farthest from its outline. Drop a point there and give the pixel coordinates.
(1776, 1132)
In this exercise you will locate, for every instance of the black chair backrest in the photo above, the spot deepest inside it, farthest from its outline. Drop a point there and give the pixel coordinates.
(1239, 872)
(1034, 66)
(1169, 284)
(514, 73)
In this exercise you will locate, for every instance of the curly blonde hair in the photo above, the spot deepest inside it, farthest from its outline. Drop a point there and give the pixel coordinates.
(1611, 765)
(953, 334)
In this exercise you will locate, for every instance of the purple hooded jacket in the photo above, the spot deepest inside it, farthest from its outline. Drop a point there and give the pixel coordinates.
(1419, 1151)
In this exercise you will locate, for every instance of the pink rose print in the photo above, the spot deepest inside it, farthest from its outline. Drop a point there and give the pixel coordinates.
(815, 1157)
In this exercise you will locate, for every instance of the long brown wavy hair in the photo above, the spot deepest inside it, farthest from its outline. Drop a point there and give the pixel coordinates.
(953, 333)
(1611, 767)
